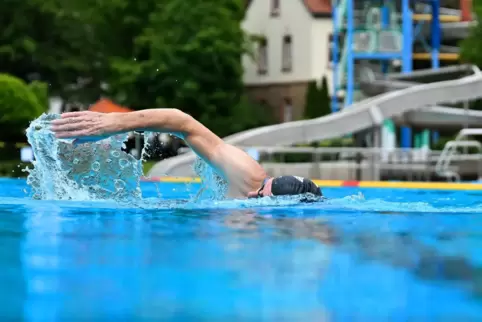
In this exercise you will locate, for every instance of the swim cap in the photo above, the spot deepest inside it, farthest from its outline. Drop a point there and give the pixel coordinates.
(293, 185)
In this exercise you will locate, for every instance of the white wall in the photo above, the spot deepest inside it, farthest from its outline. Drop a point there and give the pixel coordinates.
(295, 20)
(320, 33)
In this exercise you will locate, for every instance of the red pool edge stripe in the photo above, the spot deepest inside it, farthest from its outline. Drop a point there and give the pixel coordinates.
(350, 183)
(150, 179)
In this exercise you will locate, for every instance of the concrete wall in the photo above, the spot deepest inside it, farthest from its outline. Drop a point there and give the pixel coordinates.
(323, 171)
(347, 170)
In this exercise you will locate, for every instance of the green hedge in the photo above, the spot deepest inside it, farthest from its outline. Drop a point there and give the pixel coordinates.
(18, 103)
(308, 157)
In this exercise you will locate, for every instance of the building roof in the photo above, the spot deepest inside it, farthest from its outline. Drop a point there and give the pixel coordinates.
(107, 106)
(319, 8)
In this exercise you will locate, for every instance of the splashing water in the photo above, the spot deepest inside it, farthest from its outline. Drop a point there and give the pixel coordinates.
(95, 170)
(89, 171)
(213, 186)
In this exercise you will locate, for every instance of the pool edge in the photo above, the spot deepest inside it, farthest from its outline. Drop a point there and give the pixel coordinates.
(358, 184)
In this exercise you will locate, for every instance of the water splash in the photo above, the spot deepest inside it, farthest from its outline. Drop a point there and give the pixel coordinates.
(89, 171)
(213, 186)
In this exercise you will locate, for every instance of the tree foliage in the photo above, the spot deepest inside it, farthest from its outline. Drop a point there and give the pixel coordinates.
(49, 40)
(324, 96)
(41, 92)
(187, 57)
(142, 54)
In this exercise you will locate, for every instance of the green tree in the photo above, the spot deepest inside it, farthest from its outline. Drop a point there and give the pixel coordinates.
(317, 102)
(52, 41)
(144, 54)
(188, 57)
(471, 47)
(324, 98)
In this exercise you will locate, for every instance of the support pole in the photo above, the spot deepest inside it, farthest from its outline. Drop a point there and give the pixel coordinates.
(350, 68)
(407, 31)
(335, 52)
(436, 41)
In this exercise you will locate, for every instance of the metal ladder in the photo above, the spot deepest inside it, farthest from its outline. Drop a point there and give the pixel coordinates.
(442, 167)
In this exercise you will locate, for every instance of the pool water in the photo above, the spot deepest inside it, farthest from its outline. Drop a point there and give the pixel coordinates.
(361, 255)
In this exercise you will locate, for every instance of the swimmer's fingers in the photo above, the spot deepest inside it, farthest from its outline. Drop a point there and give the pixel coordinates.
(71, 134)
(66, 127)
(75, 117)
(75, 114)
(67, 120)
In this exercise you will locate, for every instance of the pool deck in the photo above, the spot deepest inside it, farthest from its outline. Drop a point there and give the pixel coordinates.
(360, 184)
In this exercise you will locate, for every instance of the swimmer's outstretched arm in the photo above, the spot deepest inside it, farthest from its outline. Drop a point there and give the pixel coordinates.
(86, 124)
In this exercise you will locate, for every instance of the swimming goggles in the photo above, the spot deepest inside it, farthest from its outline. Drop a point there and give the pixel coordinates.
(260, 194)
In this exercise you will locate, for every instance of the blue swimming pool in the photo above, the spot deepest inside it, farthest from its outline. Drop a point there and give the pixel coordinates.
(362, 255)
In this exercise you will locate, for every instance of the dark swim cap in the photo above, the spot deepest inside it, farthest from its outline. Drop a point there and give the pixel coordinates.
(293, 185)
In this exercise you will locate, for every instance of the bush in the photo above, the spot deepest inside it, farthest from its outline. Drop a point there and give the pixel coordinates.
(18, 106)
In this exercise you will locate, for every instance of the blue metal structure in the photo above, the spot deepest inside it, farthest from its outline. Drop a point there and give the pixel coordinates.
(359, 36)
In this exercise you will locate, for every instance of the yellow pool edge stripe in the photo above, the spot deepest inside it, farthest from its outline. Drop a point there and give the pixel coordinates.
(357, 184)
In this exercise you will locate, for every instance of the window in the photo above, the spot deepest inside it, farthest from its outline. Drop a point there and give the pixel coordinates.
(275, 9)
(263, 56)
(288, 110)
(287, 63)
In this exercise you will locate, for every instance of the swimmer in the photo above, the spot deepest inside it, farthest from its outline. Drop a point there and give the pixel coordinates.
(246, 178)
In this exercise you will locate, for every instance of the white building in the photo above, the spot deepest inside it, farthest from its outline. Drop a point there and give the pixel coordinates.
(294, 50)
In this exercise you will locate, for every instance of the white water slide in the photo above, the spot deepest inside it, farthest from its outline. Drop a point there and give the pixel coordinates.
(417, 105)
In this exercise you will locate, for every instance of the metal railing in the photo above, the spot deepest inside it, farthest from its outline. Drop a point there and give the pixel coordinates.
(359, 163)
(450, 153)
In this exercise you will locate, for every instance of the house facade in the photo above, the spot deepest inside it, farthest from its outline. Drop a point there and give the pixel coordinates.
(293, 48)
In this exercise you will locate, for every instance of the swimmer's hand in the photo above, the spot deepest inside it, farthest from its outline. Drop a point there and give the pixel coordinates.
(85, 126)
